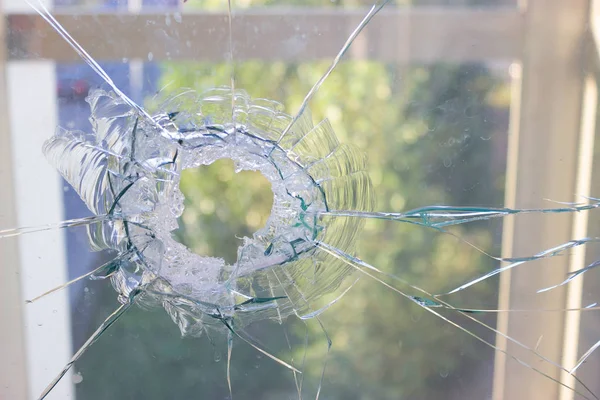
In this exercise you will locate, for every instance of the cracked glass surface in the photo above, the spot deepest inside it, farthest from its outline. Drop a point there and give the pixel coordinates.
(384, 295)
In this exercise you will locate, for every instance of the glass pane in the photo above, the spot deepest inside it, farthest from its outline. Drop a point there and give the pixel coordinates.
(429, 112)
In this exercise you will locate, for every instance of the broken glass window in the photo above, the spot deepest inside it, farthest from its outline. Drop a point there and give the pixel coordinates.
(127, 169)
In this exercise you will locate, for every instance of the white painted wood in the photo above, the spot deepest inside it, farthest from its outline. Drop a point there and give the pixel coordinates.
(544, 158)
(39, 199)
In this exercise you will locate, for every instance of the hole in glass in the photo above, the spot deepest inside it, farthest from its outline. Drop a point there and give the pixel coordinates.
(227, 204)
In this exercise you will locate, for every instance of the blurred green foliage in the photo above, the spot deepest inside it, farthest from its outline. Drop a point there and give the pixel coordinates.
(431, 134)
(208, 225)
(427, 133)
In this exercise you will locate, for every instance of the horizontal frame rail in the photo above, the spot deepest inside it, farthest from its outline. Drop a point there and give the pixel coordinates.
(410, 35)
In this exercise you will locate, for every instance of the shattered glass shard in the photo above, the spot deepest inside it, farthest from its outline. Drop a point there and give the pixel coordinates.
(128, 172)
